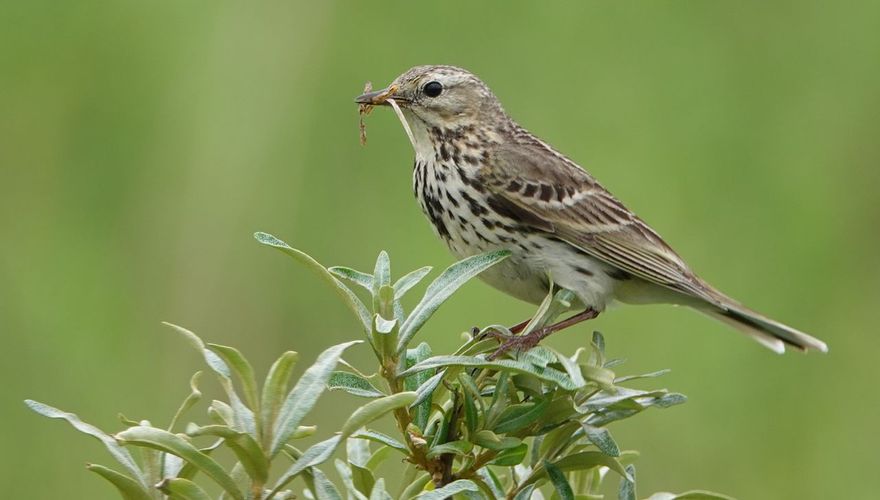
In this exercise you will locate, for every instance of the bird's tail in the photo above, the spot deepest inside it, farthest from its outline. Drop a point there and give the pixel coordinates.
(768, 332)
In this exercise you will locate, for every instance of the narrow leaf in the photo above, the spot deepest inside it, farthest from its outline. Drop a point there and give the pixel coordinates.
(182, 489)
(460, 448)
(627, 378)
(375, 409)
(379, 492)
(245, 447)
(324, 489)
(242, 369)
(194, 396)
(350, 299)
(304, 395)
(690, 495)
(363, 280)
(409, 280)
(353, 384)
(455, 487)
(442, 288)
(378, 437)
(417, 485)
(274, 390)
(557, 479)
(128, 488)
(120, 454)
(422, 409)
(244, 417)
(315, 455)
(601, 437)
(511, 456)
(515, 417)
(161, 440)
(427, 388)
(357, 451)
(627, 490)
(555, 377)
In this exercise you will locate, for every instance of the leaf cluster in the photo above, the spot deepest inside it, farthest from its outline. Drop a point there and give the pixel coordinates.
(523, 425)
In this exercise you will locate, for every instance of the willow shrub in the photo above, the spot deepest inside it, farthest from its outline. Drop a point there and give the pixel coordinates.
(527, 425)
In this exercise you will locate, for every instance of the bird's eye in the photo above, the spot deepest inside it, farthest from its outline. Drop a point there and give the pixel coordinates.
(432, 89)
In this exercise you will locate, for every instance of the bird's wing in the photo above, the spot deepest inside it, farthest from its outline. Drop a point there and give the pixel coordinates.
(541, 188)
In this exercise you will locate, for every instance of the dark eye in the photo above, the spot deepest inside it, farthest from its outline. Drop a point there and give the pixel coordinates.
(433, 89)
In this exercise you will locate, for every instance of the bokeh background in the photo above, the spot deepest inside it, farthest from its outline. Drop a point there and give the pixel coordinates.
(141, 144)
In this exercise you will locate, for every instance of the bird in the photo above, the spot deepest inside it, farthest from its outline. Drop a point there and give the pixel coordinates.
(486, 183)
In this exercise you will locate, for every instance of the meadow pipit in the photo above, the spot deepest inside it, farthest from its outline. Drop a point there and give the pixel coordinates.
(486, 183)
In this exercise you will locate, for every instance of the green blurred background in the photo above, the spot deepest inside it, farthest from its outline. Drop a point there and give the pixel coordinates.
(142, 143)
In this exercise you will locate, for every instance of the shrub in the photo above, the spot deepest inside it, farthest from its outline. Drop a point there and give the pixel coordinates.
(522, 426)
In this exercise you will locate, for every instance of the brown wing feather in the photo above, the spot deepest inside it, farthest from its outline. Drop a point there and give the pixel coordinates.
(551, 193)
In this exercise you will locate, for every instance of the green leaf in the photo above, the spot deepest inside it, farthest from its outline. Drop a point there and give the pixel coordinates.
(422, 406)
(601, 437)
(274, 390)
(120, 454)
(460, 448)
(244, 417)
(324, 489)
(353, 384)
(588, 460)
(409, 280)
(245, 447)
(557, 479)
(350, 299)
(182, 489)
(362, 478)
(221, 413)
(525, 493)
(302, 398)
(603, 377)
(450, 489)
(242, 369)
(425, 390)
(378, 437)
(511, 456)
(599, 344)
(515, 417)
(379, 492)
(128, 488)
(690, 495)
(375, 409)
(377, 458)
(627, 378)
(363, 280)
(381, 278)
(550, 375)
(571, 368)
(357, 451)
(441, 288)
(345, 473)
(194, 396)
(320, 452)
(162, 440)
(315, 455)
(489, 440)
(417, 485)
(627, 490)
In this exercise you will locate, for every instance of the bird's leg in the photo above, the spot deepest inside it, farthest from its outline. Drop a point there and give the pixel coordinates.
(501, 336)
(530, 340)
(519, 326)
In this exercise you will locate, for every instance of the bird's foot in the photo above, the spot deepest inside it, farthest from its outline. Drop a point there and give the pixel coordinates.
(531, 339)
(520, 343)
(500, 334)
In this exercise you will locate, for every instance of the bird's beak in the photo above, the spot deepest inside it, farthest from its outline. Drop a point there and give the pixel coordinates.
(379, 97)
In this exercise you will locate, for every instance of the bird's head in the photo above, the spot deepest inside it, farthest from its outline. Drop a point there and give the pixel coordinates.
(445, 97)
